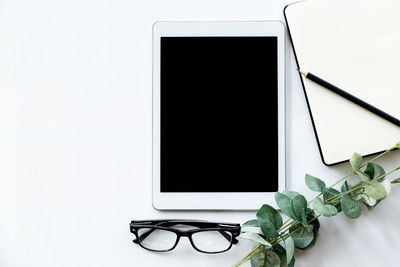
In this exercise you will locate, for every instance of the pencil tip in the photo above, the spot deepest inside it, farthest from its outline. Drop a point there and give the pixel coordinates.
(303, 72)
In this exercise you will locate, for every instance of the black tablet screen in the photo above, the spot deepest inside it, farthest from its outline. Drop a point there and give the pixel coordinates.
(219, 118)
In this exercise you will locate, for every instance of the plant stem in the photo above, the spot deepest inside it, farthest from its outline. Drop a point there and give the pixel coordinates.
(285, 222)
(380, 155)
(247, 257)
(320, 194)
(396, 181)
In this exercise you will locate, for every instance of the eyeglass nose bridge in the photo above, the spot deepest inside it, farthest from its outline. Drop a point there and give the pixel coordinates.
(186, 234)
(189, 236)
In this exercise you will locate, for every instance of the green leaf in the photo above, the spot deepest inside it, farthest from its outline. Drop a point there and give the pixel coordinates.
(356, 161)
(345, 187)
(369, 201)
(258, 259)
(375, 190)
(314, 183)
(265, 258)
(251, 223)
(272, 259)
(387, 185)
(351, 208)
(281, 252)
(255, 237)
(292, 262)
(311, 216)
(289, 245)
(301, 238)
(363, 177)
(290, 194)
(374, 170)
(325, 210)
(270, 221)
(298, 206)
(283, 202)
(330, 193)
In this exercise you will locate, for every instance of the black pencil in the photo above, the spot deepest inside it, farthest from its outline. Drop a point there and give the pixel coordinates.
(350, 97)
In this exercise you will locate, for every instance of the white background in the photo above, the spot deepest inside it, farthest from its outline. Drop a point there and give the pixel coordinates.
(75, 140)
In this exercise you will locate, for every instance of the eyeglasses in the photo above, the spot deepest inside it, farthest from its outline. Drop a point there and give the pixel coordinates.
(164, 235)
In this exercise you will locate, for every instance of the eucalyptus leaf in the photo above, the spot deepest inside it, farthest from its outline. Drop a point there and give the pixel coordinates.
(311, 216)
(345, 187)
(363, 177)
(270, 221)
(369, 201)
(301, 238)
(258, 259)
(356, 161)
(387, 185)
(298, 206)
(283, 202)
(289, 246)
(308, 227)
(272, 259)
(330, 193)
(351, 208)
(281, 252)
(325, 210)
(374, 170)
(255, 237)
(375, 190)
(290, 194)
(314, 222)
(265, 258)
(314, 183)
(292, 262)
(251, 223)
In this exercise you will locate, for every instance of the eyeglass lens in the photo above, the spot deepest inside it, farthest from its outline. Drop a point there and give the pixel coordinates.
(212, 241)
(157, 239)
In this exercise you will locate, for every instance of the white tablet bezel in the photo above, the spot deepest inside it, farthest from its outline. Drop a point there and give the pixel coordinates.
(216, 201)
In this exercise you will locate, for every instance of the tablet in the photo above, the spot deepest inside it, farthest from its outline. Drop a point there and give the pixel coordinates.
(218, 114)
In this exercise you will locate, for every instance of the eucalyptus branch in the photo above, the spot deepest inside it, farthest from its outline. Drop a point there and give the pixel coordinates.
(352, 171)
(372, 188)
(396, 181)
(361, 186)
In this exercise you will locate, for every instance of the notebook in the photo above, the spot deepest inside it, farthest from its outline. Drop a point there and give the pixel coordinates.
(354, 45)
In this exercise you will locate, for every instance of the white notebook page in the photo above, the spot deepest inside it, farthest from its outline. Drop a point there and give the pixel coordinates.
(354, 45)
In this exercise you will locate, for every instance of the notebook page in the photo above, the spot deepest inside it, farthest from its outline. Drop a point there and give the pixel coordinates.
(356, 46)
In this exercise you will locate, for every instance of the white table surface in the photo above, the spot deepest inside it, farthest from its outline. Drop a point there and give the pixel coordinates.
(75, 140)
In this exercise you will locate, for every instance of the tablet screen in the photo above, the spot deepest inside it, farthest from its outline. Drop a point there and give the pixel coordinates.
(219, 114)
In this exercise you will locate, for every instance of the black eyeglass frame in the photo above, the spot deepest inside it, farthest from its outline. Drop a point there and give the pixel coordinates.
(232, 228)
